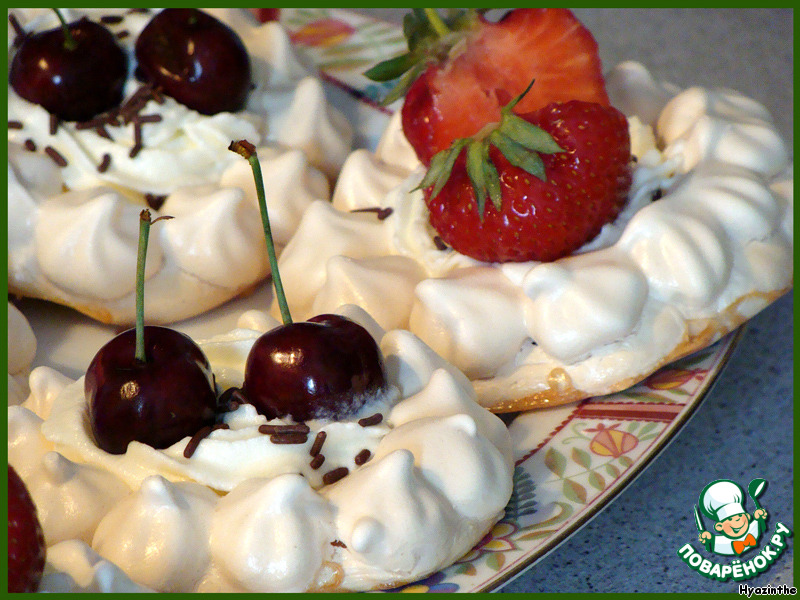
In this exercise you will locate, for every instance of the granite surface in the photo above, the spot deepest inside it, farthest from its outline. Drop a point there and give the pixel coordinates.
(744, 427)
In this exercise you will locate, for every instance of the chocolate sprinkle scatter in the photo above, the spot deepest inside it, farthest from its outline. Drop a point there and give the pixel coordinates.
(111, 19)
(371, 420)
(317, 461)
(439, 243)
(362, 457)
(156, 201)
(338, 544)
(335, 475)
(318, 441)
(381, 213)
(15, 125)
(105, 163)
(54, 122)
(30, 145)
(56, 156)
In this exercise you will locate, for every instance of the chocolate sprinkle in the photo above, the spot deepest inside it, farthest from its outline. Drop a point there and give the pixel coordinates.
(317, 461)
(287, 438)
(318, 441)
(56, 156)
(156, 201)
(657, 195)
(335, 475)
(439, 243)
(30, 145)
(198, 437)
(105, 163)
(15, 124)
(233, 397)
(144, 11)
(381, 213)
(194, 442)
(122, 34)
(371, 420)
(296, 428)
(338, 544)
(135, 150)
(102, 132)
(362, 457)
(111, 19)
(54, 122)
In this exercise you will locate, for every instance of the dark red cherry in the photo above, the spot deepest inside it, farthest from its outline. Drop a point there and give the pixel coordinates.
(196, 59)
(157, 402)
(26, 547)
(325, 368)
(76, 82)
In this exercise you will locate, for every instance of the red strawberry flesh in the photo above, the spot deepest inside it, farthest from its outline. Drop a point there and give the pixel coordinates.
(497, 63)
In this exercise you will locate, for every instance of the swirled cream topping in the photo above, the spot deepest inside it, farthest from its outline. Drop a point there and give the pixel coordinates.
(704, 243)
(75, 190)
(401, 490)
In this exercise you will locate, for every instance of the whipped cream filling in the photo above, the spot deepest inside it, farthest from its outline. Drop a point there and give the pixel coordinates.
(21, 352)
(712, 251)
(246, 514)
(72, 227)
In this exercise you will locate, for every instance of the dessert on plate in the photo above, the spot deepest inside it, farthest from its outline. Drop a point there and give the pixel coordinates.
(434, 232)
(245, 512)
(258, 460)
(80, 170)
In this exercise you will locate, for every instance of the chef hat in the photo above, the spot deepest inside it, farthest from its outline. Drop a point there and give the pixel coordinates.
(722, 499)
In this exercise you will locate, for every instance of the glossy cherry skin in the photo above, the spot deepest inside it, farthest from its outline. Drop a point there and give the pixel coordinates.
(73, 84)
(157, 402)
(325, 368)
(196, 59)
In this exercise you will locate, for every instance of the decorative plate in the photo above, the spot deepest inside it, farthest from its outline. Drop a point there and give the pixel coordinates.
(571, 460)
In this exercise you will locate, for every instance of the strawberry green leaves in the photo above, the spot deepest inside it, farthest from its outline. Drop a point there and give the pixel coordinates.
(519, 141)
(430, 39)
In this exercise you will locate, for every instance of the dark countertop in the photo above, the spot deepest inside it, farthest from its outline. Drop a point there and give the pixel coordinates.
(744, 427)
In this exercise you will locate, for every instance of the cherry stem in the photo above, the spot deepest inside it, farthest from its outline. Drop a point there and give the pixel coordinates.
(436, 21)
(69, 41)
(141, 258)
(248, 151)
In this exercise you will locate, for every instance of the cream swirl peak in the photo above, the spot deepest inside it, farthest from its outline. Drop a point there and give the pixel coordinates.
(73, 187)
(243, 509)
(704, 243)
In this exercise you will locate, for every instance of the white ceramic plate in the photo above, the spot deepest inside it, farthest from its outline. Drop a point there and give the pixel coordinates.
(571, 461)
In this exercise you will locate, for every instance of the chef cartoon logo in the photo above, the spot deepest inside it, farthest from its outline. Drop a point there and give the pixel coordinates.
(734, 532)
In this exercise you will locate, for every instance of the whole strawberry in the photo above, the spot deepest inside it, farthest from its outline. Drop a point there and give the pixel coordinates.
(554, 177)
(26, 549)
(462, 68)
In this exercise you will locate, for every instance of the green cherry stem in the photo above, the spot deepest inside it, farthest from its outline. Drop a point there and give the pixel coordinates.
(248, 151)
(69, 41)
(141, 258)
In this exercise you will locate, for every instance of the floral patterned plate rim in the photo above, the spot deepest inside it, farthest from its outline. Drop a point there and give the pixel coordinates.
(571, 461)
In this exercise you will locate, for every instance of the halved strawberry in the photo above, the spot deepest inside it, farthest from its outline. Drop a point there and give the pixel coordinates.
(26, 548)
(474, 67)
(554, 176)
